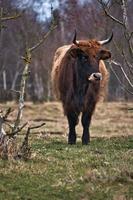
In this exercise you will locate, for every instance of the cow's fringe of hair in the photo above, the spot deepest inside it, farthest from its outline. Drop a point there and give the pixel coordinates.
(89, 43)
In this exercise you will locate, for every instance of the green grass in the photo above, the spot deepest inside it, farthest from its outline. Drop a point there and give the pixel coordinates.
(101, 171)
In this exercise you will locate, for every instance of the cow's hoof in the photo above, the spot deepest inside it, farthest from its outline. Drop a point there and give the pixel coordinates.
(85, 140)
(72, 139)
(71, 143)
(85, 143)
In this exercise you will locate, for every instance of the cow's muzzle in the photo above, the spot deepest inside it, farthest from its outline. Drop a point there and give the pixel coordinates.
(95, 77)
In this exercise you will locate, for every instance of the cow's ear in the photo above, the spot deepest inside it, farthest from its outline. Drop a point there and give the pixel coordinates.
(104, 54)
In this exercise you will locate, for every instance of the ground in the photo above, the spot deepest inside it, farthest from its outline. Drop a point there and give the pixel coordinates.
(110, 118)
(102, 170)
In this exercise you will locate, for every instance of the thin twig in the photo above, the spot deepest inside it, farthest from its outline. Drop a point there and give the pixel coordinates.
(3, 119)
(123, 71)
(53, 26)
(109, 15)
(38, 126)
(9, 110)
(24, 149)
(31, 128)
(3, 19)
(123, 55)
(12, 134)
(28, 132)
(16, 91)
(43, 39)
(122, 85)
(126, 25)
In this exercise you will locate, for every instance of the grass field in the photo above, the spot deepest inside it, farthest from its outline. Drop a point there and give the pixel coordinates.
(102, 170)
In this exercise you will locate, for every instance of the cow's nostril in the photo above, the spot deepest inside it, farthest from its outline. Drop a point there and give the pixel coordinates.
(97, 76)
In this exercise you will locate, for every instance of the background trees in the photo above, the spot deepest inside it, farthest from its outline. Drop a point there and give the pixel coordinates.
(119, 14)
(90, 20)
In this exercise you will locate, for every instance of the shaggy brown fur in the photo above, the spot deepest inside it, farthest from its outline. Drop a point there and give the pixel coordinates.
(76, 79)
(59, 57)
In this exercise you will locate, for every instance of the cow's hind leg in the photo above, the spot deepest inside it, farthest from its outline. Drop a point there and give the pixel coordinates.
(72, 121)
(86, 119)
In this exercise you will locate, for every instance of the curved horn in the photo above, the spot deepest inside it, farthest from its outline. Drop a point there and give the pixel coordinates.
(76, 42)
(107, 40)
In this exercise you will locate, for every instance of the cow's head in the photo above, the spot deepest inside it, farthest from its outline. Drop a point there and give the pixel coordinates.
(89, 53)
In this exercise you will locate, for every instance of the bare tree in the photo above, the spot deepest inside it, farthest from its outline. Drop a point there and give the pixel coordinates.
(125, 50)
(8, 142)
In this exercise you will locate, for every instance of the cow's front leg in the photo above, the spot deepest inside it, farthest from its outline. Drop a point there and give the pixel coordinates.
(72, 121)
(86, 119)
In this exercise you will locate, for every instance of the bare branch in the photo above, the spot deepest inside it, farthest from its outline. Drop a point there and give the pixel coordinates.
(129, 65)
(27, 60)
(123, 55)
(24, 150)
(7, 18)
(124, 73)
(53, 26)
(38, 126)
(131, 34)
(125, 19)
(3, 119)
(3, 19)
(43, 39)
(19, 129)
(8, 111)
(122, 85)
(126, 25)
(2, 131)
(16, 91)
(108, 14)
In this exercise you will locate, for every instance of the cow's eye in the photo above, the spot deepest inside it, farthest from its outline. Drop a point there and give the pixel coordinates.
(84, 58)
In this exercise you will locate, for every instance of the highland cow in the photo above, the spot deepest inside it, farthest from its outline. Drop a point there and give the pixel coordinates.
(79, 75)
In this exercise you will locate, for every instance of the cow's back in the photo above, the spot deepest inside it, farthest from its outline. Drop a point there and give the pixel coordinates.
(59, 55)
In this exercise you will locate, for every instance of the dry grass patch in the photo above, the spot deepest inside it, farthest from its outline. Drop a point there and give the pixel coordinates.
(110, 118)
